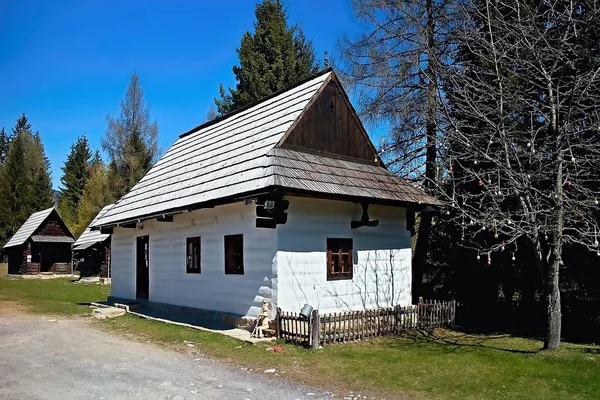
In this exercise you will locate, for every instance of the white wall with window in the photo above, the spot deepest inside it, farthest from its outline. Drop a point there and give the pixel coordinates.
(211, 259)
(216, 259)
(323, 262)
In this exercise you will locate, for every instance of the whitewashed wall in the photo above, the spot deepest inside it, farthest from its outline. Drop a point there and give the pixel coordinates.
(211, 289)
(382, 257)
(287, 265)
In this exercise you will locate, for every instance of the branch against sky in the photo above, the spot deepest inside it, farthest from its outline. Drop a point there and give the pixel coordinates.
(394, 68)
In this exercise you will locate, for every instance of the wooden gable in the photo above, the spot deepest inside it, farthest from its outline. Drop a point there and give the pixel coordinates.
(329, 126)
(53, 225)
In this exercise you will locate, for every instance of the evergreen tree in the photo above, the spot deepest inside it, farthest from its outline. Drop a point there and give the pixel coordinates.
(272, 58)
(96, 194)
(16, 188)
(22, 126)
(41, 190)
(4, 143)
(131, 141)
(76, 172)
(96, 160)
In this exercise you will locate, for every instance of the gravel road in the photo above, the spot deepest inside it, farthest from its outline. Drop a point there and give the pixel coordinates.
(45, 358)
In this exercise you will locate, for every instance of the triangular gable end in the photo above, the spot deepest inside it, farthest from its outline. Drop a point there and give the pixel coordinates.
(54, 218)
(329, 126)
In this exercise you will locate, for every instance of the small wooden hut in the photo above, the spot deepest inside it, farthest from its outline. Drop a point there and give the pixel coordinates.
(91, 251)
(41, 245)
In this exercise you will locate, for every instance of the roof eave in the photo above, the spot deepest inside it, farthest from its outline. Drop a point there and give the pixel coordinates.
(269, 190)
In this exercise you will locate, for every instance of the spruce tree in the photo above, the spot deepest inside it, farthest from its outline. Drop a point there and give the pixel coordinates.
(16, 188)
(131, 141)
(272, 58)
(41, 190)
(76, 172)
(4, 143)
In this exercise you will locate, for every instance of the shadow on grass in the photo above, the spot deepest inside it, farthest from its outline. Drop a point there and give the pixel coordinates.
(591, 350)
(462, 340)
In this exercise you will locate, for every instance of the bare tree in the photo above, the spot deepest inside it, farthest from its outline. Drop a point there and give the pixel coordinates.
(395, 68)
(522, 140)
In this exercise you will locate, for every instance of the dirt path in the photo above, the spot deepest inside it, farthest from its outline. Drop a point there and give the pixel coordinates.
(53, 358)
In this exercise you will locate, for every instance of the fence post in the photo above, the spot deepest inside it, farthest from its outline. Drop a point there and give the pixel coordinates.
(278, 323)
(397, 318)
(315, 330)
(453, 315)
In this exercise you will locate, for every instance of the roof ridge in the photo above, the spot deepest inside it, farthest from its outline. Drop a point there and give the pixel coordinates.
(246, 107)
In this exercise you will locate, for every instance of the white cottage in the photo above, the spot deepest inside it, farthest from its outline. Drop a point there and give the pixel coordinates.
(283, 200)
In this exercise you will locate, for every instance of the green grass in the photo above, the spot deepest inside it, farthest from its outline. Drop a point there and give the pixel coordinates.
(51, 296)
(447, 365)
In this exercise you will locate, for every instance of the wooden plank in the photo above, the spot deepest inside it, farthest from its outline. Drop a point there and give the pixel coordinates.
(278, 323)
(316, 329)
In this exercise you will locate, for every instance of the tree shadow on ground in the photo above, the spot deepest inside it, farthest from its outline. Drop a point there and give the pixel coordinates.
(452, 341)
(456, 340)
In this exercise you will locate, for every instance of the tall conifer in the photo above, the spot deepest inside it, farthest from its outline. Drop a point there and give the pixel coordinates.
(272, 58)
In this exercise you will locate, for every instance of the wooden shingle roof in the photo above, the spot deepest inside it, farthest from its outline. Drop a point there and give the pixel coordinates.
(242, 153)
(28, 228)
(90, 237)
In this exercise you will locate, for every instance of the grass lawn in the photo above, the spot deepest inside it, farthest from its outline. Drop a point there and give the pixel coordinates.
(51, 296)
(444, 365)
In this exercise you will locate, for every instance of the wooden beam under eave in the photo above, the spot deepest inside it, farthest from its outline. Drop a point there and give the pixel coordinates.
(165, 218)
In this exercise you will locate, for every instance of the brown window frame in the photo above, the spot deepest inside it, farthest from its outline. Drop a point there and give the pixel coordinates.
(233, 255)
(193, 241)
(339, 249)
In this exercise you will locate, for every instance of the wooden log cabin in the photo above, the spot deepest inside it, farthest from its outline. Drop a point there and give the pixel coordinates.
(41, 245)
(91, 250)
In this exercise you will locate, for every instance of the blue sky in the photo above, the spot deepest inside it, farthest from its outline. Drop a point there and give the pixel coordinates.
(67, 63)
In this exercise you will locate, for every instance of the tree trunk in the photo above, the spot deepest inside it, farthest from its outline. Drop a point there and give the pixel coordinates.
(554, 317)
(422, 245)
(420, 256)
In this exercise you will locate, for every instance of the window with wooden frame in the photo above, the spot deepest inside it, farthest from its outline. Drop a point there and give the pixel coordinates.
(234, 254)
(339, 259)
(192, 253)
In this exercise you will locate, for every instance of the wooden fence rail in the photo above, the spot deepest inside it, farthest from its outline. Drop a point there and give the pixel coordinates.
(359, 325)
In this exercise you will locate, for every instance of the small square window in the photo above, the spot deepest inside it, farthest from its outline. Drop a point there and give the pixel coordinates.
(234, 254)
(193, 255)
(339, 259)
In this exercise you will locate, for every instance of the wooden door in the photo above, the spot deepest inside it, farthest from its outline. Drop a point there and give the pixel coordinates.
(142, 267)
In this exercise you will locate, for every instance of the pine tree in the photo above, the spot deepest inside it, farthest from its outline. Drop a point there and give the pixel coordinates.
(272, 58)
(131, 141)
(96, 194)
(76, 172)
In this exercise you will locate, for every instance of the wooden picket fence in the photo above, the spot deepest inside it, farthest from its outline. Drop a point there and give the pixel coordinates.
(364, 324)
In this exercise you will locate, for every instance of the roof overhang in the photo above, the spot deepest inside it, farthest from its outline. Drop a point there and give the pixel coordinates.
(52, 239)
(271, 190)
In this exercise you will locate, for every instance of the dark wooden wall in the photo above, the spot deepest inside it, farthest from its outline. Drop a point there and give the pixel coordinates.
(95, 260)
(53, 227)
(16, 259)
(330, 126)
